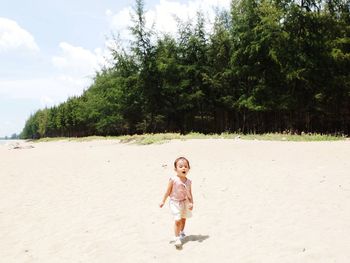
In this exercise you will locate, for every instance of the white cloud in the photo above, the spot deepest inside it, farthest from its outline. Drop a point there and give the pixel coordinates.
(78, 61)
(108, 12)
(52, 90)
(76, 69)
(162, 15)
(121, 21)
(26, 96)
(13, 37)
(46, 101)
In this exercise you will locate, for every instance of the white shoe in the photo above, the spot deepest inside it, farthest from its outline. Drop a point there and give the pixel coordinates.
(178, 242)
(182, 235)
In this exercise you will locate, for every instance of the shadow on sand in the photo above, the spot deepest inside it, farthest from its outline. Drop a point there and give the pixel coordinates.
(198, 238)
(191, 238)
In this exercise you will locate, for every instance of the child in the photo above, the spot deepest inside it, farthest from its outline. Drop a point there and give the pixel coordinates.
(181, 199)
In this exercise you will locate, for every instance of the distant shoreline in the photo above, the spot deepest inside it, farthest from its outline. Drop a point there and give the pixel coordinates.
(6, 141)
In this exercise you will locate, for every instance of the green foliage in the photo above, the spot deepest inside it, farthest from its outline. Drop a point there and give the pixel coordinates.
(265, 66)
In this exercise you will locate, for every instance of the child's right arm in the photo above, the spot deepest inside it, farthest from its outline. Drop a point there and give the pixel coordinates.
(167, 193)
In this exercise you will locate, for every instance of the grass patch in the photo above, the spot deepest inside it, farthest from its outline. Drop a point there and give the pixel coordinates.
(144, 139)
(74, 139)
(291, 137)
(159, 138)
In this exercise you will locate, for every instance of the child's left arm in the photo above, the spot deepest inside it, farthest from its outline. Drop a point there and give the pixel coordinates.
(191, 199)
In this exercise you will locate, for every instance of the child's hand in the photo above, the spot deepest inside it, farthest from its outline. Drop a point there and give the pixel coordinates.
(190, 206)
(161, 204)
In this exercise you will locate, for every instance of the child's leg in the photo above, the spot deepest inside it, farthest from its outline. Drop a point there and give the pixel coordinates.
(183, 223)
(177, 227)
(178, 242)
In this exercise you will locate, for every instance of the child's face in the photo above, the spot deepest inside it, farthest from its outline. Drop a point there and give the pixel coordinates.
(182, 168)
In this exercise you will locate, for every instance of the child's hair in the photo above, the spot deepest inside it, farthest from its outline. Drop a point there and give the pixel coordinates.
(181, 158)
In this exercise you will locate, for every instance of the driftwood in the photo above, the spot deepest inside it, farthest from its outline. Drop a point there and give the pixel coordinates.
(18, 146)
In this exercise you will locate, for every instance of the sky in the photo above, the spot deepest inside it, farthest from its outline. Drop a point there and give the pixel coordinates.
(51, 50)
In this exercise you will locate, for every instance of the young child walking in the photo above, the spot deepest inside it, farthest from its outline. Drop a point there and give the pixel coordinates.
(181, 199)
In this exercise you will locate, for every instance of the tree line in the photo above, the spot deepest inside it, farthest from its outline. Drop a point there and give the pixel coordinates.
(265, 66)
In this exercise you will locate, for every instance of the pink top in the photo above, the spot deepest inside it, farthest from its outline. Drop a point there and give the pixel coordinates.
(180, 191)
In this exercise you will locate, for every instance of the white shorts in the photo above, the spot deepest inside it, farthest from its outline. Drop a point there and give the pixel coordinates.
(180, 209)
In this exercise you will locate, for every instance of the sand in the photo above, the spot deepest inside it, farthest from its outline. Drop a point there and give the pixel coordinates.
(97, 201)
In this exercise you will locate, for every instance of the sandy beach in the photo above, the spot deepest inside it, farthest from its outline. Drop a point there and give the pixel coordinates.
(97, 201)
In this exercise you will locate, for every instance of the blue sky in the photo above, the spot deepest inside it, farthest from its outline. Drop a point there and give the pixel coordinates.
(50, 50)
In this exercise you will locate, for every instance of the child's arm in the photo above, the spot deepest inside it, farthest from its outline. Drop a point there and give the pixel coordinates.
(191, 199)
(167, 193)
